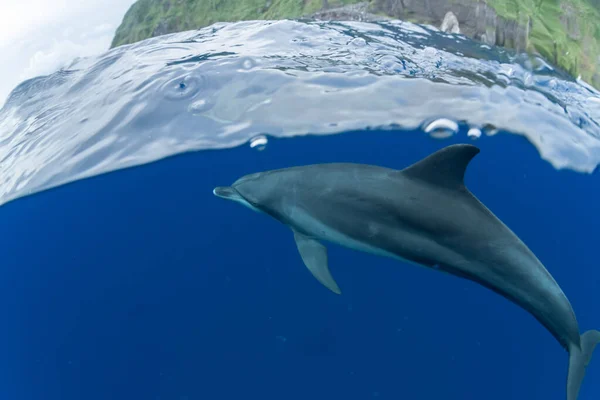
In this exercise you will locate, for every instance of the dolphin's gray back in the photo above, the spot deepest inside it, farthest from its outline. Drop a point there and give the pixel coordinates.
(423, 214)
(425, 223)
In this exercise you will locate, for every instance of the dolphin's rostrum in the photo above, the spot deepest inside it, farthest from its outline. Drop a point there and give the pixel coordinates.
(422, 214)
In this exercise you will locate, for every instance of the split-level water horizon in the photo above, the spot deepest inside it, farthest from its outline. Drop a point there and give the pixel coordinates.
(125, 277)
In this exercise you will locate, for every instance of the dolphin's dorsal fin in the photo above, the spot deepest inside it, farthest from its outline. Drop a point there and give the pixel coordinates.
(445, 167)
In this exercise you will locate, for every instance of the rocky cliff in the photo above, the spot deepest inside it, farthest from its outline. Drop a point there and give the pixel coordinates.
(565, 32)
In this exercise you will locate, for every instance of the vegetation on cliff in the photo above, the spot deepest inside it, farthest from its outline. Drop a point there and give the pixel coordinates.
(565, 32)
(148, 18)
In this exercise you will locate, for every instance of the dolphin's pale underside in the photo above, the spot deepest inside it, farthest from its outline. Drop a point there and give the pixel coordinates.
(424, 215)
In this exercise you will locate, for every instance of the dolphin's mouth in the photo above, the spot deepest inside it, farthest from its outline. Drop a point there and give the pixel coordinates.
(227, 192)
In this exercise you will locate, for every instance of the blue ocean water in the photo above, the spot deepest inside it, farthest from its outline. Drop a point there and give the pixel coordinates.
(139, 283)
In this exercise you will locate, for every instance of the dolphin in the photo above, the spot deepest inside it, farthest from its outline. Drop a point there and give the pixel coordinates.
(424, 215)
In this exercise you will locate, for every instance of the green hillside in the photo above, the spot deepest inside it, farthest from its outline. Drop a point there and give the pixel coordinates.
(146, 17)
(565, 32)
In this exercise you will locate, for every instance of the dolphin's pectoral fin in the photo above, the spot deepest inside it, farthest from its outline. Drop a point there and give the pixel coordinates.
(445, 167)
(314, 255)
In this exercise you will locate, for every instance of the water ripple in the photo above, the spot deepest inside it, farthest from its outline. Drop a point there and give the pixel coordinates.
(223, 85)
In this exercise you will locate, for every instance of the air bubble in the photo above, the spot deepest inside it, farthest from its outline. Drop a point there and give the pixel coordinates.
(429, 52)
(594, 100)
(490, 130)
(248, 63)
(593, 107)
(259, 142)
(442, 128)
(389, 62)
(474, 133)
(200, 106)
(358, 42)
(181, 88)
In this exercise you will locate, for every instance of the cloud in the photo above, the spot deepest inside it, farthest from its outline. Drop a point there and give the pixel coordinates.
(38, 37)
(61, 52)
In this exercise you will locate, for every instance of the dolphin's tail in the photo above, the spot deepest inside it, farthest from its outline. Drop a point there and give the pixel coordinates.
(579, 358)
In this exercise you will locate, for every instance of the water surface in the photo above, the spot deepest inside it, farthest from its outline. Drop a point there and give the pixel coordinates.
(220, 86)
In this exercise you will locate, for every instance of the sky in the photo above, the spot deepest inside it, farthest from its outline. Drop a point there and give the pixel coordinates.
(37, 37)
